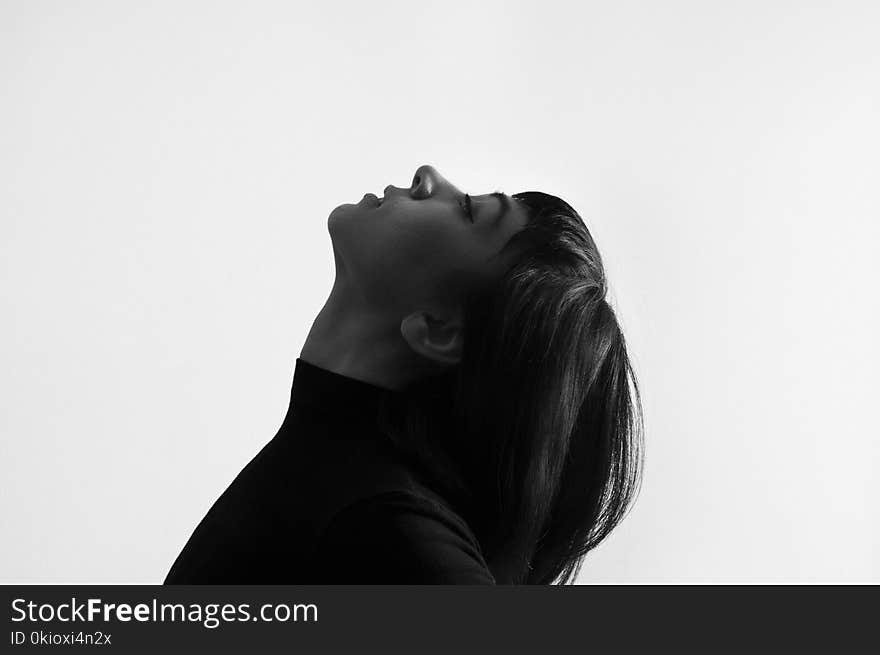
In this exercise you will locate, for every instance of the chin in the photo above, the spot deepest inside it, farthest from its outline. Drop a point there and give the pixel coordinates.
(337, 213)
(346, 214)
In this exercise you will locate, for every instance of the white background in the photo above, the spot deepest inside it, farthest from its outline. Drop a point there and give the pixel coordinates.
(166, 173)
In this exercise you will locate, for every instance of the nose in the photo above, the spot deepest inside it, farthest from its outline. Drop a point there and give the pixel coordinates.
(426, 181)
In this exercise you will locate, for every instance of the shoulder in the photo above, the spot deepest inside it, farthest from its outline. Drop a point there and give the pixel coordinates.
(400, 537)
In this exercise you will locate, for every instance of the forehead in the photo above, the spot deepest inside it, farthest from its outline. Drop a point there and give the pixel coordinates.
(501, 217)
(499, 208)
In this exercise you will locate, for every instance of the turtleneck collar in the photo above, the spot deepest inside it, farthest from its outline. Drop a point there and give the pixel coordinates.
(335, 394)
(356, 404)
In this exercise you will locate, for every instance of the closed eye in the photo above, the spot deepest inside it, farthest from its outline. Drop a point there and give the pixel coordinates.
(468, 208)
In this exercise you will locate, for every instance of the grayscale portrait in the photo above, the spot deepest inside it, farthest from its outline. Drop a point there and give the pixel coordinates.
(445, 293)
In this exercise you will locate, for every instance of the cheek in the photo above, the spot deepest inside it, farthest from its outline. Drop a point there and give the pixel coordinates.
(405, 256)
(430, 248)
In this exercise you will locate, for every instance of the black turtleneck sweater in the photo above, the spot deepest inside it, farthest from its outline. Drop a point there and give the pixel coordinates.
(329, 500)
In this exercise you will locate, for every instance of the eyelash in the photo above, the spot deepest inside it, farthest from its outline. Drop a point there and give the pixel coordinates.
(468, 209)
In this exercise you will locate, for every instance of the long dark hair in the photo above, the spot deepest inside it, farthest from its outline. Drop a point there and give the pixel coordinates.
(536, 436)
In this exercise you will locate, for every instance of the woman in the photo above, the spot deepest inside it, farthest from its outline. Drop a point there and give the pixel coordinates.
(463, 410)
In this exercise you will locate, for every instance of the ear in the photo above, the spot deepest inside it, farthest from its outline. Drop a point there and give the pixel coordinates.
(437, 339)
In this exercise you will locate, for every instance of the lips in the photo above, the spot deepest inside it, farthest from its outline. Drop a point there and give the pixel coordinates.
(373, 199)
(386, 193)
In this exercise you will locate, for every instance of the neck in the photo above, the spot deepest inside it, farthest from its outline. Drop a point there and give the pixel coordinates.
(354, 339)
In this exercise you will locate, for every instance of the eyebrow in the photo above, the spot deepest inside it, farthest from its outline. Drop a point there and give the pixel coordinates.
(505, 207)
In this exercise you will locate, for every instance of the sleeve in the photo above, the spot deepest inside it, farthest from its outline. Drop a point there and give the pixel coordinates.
(399, 538)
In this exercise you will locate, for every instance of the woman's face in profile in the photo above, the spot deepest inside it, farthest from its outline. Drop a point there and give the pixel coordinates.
(425, 242)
